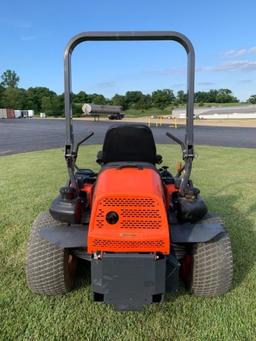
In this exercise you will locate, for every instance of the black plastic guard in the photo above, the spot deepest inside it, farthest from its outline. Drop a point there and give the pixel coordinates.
(128, 281)
(200, 232)
(172, 273)
(66, 211)
(65, 236)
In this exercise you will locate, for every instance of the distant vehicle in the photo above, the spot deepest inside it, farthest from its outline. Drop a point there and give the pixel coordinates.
(113, 112)
(116, 116)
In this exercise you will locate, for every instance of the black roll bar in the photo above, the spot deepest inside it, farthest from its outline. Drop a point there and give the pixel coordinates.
(130, 36)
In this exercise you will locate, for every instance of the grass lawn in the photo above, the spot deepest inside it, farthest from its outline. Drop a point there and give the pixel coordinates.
(148, 112)
(28, 183)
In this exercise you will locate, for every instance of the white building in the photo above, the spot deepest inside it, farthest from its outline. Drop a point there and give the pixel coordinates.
(235, 112)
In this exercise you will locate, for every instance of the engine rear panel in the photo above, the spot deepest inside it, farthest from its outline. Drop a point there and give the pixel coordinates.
(136, 196)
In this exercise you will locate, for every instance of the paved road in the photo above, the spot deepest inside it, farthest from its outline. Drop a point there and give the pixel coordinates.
(17, 136)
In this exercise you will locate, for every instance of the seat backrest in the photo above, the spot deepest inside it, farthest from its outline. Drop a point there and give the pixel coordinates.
(129, 142)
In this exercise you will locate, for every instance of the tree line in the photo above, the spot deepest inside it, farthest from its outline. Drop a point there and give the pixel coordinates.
(42, 99)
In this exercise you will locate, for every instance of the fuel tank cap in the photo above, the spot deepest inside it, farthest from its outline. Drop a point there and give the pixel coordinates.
(112, 217)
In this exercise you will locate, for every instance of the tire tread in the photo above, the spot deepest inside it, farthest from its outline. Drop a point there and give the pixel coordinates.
(212, 267)
(46, 268)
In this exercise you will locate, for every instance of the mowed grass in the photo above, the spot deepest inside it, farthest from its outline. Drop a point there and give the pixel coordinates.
(28, 183)
(133, 113)
(148, 112)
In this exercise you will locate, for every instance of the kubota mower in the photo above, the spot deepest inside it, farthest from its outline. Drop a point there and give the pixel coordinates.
(144, 231)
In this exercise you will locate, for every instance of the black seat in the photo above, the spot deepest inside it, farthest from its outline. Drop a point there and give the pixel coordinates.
(129, 142)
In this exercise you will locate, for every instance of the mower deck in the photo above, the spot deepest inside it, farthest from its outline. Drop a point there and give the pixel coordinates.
(76, 236)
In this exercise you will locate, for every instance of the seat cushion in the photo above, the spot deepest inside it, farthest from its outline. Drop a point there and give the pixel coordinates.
(129, 143)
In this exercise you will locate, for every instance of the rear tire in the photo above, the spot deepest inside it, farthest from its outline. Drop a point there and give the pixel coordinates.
(50, 270)
(212, 270)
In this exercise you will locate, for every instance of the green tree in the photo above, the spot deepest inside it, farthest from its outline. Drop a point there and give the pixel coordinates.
(119, 100)
(201, 97)
(58, 105)
(14, 98)
(215, 96)
(212, 95)
(162, 98)
(35, 95)
(252, 99)
(145, 102)
(137, 100)
(46, 105)
(1, 95)
(181, 97)
(53, 105)
(97, 99)
(81, 97)
(225, 96)
(133, 98)
(10, 79)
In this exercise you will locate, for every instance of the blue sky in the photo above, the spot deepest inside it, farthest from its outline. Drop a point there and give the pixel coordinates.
(33, 35)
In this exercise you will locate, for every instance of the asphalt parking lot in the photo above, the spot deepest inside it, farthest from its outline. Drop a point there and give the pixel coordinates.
(24, 135)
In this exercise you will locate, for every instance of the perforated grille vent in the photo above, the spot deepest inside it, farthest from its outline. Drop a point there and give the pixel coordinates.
(131, 244)
(143, 213)
(134, 213)
(141, 224)
(129, 202)
(100, 218)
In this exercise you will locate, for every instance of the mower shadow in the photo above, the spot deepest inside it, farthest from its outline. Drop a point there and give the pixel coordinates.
(83, 275)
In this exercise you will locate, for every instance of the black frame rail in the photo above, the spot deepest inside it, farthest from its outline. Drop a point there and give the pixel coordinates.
(132, 36)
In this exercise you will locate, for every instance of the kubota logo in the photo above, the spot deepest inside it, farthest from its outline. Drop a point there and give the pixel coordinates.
(126, 234)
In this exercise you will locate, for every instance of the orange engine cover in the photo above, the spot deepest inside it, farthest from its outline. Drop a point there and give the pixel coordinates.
(137, 197)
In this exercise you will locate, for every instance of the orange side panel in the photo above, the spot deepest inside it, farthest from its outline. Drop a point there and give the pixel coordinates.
(138, 198)
(88, 188)
(170, 189)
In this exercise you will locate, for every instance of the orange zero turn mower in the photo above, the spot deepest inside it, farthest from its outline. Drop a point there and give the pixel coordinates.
(143, 230)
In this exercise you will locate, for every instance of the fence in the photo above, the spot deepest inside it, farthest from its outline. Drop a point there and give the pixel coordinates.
(159, 120)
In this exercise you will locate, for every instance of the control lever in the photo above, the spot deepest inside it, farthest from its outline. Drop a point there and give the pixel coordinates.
(177, 140)
(91, 133)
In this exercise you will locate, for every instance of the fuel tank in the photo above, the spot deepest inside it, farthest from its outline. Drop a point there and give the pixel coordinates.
(128, 212)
